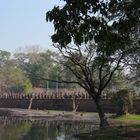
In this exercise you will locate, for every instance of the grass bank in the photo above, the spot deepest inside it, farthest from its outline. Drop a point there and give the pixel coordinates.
(128, 117)
(129, 131)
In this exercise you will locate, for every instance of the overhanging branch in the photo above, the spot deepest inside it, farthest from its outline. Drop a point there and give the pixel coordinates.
(52, 80)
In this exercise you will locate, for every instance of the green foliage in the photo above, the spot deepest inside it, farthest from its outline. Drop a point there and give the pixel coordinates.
(124, 100)
(13, 79)
(26, 86)
(111, 25)
(15, 131)
(135, 125)
(119, 81)
(4, 58)
(43, 65)
(129, 117)
(36, 64)
(108, 22)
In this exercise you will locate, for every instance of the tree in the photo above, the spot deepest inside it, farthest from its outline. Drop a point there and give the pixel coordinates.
(13, 80)
(124, 100)
(25, 86)
(108, 25)
(81, 21)
(4, 58)
(11, 77)
(93, 70)
(40, 64)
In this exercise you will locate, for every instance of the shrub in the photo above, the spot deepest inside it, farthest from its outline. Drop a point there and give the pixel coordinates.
(124, 100)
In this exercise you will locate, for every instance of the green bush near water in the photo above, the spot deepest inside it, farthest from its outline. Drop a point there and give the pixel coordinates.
(124, 100)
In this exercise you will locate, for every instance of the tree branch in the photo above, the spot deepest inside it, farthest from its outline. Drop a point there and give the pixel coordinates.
(111, 73)
(52, 80)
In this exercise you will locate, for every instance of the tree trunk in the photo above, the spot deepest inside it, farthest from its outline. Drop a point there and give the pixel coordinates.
(30, 103)
(103, 120)
(75, 104)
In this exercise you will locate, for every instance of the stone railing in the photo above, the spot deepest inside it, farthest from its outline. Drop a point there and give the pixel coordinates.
(55, 95)
(46, 95)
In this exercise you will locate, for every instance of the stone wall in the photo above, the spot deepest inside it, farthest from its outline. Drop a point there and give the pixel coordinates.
(62, 100)
(62, 104)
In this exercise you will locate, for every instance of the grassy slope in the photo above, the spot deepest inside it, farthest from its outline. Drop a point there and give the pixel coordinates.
(131, 130)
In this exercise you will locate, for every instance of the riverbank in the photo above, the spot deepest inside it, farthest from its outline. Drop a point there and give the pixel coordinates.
(125, 127)
(129, 130)
(55, 115)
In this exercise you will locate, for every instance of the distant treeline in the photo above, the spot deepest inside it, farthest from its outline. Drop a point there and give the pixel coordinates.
(32, 67)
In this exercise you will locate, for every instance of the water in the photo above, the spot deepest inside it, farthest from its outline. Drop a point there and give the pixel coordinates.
(15, 128)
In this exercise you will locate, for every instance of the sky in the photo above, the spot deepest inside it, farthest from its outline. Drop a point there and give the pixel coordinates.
(22, 24)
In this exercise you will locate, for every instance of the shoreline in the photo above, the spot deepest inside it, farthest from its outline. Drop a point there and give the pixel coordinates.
(55, 115)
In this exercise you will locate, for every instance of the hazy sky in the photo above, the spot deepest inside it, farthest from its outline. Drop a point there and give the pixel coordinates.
(22, 23)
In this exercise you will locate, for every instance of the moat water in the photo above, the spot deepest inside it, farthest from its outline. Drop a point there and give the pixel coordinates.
(16, 128)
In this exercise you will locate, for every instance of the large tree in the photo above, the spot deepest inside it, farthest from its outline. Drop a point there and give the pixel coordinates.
(39, 64)
(93, 70)
(11, 77)
(108, 25)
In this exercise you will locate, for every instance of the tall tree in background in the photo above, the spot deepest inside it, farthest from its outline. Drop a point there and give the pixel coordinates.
(38, 65)
(4, 58)
(109, 26)
(11, 77)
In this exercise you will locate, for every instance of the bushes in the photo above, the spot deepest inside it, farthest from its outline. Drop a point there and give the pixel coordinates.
(124, 100)
(26, 86)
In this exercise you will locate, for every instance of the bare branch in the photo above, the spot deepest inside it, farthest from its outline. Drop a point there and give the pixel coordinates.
(52, 80)
(112, 72)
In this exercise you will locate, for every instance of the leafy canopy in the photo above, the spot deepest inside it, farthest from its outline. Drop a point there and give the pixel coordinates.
(110, 22)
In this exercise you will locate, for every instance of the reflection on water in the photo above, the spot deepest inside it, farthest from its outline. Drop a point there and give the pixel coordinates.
(13, 128)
